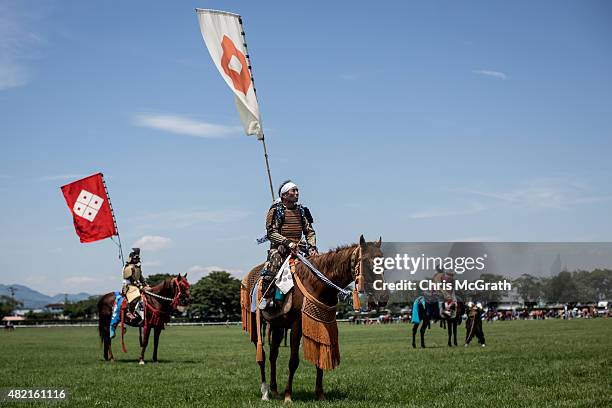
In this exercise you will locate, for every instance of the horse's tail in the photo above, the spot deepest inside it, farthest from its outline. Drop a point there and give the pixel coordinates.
(102, 326)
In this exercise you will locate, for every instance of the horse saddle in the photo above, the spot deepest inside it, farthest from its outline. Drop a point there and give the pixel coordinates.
(271, 313)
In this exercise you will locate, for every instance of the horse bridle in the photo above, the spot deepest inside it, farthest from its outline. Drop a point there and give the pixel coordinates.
(357, 272)
(178, 293)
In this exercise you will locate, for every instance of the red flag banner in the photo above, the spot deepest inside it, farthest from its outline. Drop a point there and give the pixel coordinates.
(90, 207)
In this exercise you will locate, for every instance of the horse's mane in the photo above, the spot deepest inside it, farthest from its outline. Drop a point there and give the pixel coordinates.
(165, 284)
(332, 264)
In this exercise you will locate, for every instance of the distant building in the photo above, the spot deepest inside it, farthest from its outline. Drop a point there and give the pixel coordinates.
(23, 312)
(54, 308)
(510, 300)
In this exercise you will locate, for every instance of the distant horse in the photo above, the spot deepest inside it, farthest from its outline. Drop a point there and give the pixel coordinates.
(341, 266)
(160, 301)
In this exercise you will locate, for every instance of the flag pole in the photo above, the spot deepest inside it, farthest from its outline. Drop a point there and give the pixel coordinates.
(114, 220)
(263, 139)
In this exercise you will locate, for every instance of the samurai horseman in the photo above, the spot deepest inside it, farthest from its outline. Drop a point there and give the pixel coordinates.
(133, 283)
(289, 229)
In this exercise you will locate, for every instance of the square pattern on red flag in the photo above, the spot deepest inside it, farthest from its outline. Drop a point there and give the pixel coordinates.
(92, 214)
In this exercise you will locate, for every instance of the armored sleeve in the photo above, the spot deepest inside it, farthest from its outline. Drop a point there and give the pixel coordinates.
(272, 229)
(310, 234)
(127, 272)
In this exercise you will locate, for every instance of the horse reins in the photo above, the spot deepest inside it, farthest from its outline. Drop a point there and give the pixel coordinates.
(176, 297)
(356, 271)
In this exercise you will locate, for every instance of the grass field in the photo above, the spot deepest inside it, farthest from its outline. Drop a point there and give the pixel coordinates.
(526, 363)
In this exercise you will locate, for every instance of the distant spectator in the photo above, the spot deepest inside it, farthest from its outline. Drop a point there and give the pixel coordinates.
(473, 324)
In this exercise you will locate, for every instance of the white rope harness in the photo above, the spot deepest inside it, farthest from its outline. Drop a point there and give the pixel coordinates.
(342, 292)
(158, 296)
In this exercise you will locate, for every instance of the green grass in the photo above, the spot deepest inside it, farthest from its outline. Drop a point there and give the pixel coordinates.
(526, 363)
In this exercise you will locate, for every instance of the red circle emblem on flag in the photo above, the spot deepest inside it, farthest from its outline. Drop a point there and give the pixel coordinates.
(235, 66)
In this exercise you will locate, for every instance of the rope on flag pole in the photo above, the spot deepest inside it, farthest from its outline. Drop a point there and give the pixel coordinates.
(263, 139)
(114, 221)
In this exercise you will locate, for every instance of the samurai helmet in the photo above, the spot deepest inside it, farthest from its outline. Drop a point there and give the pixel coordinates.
(134, 256)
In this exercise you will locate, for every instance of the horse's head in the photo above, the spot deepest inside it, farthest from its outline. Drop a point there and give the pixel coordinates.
(370, 292)
(182, 296)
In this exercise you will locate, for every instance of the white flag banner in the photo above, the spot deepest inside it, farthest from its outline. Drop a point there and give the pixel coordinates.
(223, 36)
(284, 279)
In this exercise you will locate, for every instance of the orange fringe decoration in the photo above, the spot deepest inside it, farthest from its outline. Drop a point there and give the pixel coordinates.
(356, 302)
(245, 306)
(319, 331)
(259, 356)
(320, 342)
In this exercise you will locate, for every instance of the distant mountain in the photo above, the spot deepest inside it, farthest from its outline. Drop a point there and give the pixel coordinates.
(33, 299)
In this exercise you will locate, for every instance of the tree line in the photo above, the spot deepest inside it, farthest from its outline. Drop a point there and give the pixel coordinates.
(565, 288)
(216, 297)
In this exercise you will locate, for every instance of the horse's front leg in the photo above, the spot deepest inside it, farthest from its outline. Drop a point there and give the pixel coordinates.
(294, 359)
(143, 344)
(319, 385)
(415, 327)
(156, 333)
(276, 339)
(455, 333)
(450, 332)
(265, 388)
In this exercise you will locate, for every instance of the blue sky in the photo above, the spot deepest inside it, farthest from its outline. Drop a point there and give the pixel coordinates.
(417, 121)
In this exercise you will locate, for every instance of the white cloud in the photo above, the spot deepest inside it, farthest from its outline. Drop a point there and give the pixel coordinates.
(197, 272)
(187, 218)
(494, 74)
(152, 243)
(17, 44)
(89, 284)
(185, 126)
(477, 239)
(543, 194)
(79, 280)
(438, 212)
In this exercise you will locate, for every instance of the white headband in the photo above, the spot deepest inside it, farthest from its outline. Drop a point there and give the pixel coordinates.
(286, 187)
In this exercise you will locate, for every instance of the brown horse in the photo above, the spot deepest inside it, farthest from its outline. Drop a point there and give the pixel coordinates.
(341, 266)
(160, 301)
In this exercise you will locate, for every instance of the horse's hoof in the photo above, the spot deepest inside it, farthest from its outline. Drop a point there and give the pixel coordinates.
(265, 392)
(413, 345)
(141, 362)
(274, 394)
(288, 399)
(321, 397)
